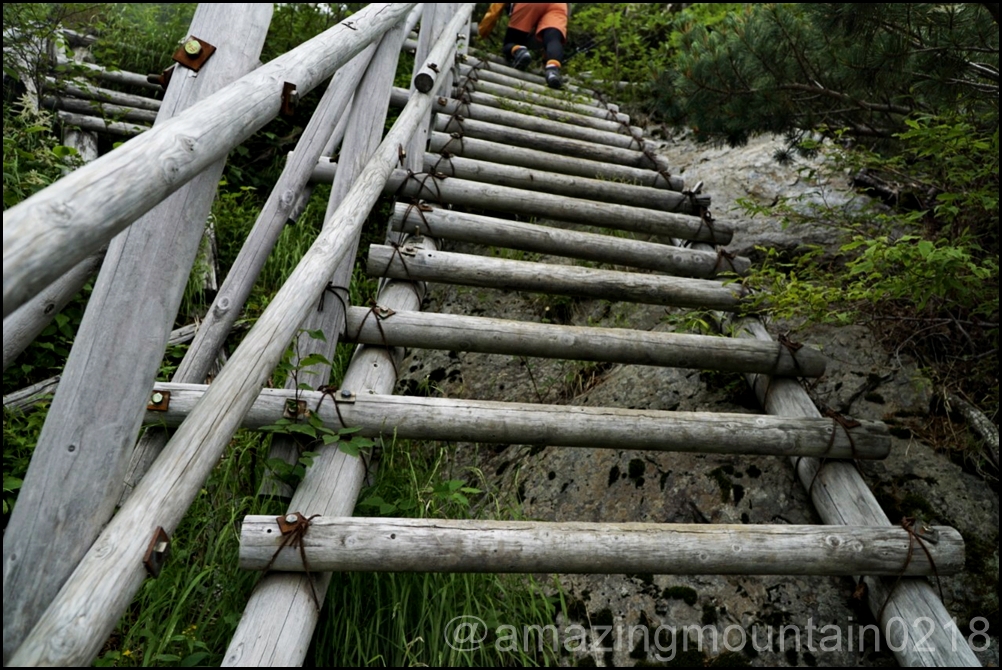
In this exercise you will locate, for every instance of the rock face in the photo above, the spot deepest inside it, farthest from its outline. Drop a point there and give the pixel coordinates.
(738, 620)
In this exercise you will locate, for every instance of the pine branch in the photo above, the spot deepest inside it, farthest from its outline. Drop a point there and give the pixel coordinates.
(862, 104)
(993, 9)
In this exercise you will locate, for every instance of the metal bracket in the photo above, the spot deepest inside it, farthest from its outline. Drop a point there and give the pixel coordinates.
(294, 408)
(383, 312)
(287, 523)
(157, 552)
(344, 396)
(407, 250)
(194, 53)
(290, 98)
(926, 532)
(159, 401)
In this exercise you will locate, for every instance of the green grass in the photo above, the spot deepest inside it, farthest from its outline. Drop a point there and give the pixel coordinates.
(404, 618)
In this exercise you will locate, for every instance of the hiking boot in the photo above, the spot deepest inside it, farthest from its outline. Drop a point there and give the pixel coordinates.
(520, 58)
(553, 79)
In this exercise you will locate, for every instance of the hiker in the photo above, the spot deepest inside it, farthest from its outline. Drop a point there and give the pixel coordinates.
(547, 21)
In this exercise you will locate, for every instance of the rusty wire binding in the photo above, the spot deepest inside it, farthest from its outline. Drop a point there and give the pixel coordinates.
(293, 527)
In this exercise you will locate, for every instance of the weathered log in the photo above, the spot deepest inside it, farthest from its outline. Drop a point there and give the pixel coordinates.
(30, 395)
(471, 147)
(55, 229)
(22, 327)
(465, 193)
(75, 39)
(486, 66)
(926, 634)
(438, 63)
(482, 421)
(450, 224)
(467, 270)
(980, 425)
(230, 299)
(590, 108)
(563, 146)
(99, 109)
(614, 345)
(77, 470)
(447, 545)
(96, 125)
(611, 122)
(113, 76)
(496, 76)
(431, 23)
(280, 617)
(502, 117)
(109, 575)
(363, 132)
(527, 179)
(581, 212)
(79, 88)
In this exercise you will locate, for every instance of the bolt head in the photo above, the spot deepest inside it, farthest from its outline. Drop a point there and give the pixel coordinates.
(291, 518)
(157, 398)
(192, 47)
(345, 393)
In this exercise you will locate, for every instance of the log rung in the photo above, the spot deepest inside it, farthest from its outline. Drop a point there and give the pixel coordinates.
(442, 223)
(586, 188)
(464, 193)
(451, 332)
(471, 147)
(482, 421)
(334, 544)
(468, 270)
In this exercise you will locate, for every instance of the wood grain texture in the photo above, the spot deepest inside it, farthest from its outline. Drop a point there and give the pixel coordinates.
(55, 229)
(97, 125)
(281, 615)
(78, 467)
(574, 210)
(471, 147)
(22, 326)
(362, 135)
(445, 545)
(579, 104)
(468, 270)
(454, 225)
(75, 626)
(561, 184)
(562, 146)
(526, 122)
(452, 332)
(481, 421)
(81, 88)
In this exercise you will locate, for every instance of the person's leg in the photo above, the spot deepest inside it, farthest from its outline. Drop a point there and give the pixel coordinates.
(553, 45)
(515, 48)
(552, 32)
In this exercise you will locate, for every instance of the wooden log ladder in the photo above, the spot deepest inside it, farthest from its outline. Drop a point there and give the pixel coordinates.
(472, 133)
